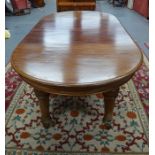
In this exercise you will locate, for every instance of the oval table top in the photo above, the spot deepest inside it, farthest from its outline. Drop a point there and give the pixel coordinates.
(77, 49)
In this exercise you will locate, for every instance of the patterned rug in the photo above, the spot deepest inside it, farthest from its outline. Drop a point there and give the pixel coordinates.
(79, 129)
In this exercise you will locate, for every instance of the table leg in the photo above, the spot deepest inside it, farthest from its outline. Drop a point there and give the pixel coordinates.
(109, 101)
(44, 107)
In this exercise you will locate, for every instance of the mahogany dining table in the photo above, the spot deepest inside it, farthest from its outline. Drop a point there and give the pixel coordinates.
(77, 53)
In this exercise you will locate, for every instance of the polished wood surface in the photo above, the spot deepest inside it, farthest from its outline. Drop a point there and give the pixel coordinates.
(74, 5)
(77, 53)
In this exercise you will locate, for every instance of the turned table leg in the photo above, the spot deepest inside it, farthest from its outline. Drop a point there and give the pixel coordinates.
(109, 102)
(43, 98)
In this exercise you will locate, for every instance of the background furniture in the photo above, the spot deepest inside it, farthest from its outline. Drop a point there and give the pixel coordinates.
(119, 2)
(142, 7)
(21, 7)
(66, 5)
(130, 4)
(37, 3)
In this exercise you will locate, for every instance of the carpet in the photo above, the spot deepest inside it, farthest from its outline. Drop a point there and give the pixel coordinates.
(79, 129)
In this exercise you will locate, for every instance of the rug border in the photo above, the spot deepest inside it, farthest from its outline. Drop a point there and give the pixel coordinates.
(145, 60)
(13, 103)
(140, 108)
(8, 66)
(34, 152)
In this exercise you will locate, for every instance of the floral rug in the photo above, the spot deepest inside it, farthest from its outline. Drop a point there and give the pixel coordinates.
(79, 129)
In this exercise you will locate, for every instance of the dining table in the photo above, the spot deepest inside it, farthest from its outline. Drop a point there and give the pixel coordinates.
(77, 53)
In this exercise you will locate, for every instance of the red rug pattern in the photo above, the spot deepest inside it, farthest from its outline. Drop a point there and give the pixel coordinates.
(79, 126)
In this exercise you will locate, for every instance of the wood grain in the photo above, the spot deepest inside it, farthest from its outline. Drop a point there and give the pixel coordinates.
(77, 53)
(74, 5)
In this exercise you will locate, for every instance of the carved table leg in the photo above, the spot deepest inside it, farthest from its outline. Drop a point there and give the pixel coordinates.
(44, 107)
(109, 100)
